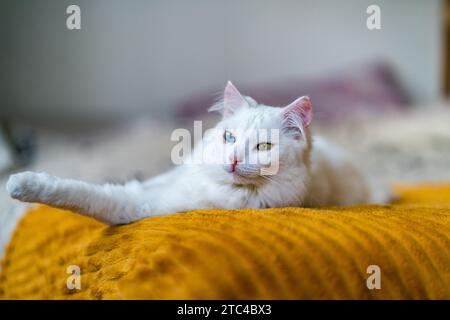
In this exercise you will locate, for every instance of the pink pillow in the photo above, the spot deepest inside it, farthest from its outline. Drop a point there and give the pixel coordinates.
(372, 88)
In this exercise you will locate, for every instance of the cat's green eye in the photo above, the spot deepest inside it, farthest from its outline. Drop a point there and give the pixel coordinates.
(228, 137)
(266, 146)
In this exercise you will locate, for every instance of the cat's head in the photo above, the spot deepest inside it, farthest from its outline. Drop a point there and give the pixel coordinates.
(257, 142)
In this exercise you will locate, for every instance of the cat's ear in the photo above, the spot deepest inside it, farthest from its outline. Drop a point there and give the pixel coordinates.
(297, 115)
(232, 101)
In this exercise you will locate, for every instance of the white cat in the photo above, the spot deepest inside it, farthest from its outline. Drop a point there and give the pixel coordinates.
(292, 170)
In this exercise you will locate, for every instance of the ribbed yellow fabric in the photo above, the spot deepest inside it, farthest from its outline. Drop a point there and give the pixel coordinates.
(288, 253)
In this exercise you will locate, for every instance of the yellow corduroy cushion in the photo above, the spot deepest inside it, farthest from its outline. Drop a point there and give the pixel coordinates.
(288, 253)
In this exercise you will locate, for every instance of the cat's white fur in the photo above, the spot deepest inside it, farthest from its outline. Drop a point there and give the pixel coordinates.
(311, 172)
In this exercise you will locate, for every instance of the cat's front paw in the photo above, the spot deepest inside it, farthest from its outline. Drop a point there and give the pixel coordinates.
(27, 186)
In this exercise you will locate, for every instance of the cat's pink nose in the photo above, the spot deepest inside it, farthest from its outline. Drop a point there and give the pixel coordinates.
(233, 159)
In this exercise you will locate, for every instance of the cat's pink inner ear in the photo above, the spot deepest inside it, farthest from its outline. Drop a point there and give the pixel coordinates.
(232, 99)
(300, 109)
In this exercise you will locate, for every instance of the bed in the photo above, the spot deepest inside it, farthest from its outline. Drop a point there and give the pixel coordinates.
(284, 253)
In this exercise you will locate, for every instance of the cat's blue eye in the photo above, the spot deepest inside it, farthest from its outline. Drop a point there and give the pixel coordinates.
(228, 137)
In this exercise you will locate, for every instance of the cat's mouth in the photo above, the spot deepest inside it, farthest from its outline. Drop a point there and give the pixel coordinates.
(245, 175)
(245, 178)
(243, 181)
(240, 175)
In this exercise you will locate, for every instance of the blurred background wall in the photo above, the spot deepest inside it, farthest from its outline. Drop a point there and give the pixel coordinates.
(133, 57)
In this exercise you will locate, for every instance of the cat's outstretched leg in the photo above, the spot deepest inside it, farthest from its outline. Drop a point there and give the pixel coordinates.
(112, 204)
